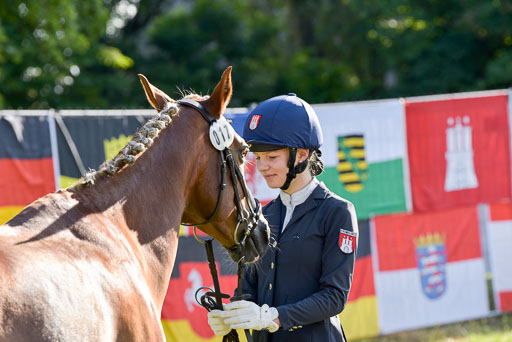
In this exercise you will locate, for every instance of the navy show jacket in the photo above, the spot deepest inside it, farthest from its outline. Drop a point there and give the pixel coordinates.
(306, 276)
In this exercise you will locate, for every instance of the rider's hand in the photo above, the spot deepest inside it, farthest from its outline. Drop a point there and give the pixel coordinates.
(248, 315)
(217, 324)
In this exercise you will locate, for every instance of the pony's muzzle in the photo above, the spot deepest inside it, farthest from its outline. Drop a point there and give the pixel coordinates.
(254, 245)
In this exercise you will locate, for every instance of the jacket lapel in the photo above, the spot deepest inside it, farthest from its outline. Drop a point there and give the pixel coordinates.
(273, 215)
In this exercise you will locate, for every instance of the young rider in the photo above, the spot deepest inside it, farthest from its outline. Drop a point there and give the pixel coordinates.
(299, 287)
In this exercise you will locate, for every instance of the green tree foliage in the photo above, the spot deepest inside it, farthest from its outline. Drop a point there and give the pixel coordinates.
(323, 50)
(45, 43)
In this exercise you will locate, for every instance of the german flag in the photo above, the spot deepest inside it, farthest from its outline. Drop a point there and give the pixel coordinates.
(26, 165)
(360, 317)
(352, 167)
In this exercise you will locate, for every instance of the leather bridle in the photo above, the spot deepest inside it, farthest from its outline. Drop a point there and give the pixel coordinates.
(250, 219)
(213, 299)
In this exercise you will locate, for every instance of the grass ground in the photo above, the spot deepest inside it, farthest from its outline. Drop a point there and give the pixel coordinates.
(492, 329)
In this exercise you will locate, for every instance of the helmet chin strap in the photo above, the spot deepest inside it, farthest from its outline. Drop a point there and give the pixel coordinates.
(292, 169)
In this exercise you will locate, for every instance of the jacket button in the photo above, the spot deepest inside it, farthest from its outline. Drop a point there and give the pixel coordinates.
(270, 286)
(272, 265)
(300, 326)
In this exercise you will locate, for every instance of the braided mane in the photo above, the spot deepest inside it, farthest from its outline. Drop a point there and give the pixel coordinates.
(141, 141)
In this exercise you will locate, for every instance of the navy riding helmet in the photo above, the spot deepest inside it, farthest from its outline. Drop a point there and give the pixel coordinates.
(280, 122)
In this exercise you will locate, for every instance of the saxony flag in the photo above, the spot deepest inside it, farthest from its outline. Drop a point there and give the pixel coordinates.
(364, 152)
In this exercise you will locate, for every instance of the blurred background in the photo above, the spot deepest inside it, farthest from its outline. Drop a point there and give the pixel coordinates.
(420, 88)
(86, 54)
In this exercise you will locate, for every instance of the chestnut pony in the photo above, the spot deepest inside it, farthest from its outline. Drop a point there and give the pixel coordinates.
(93, 262)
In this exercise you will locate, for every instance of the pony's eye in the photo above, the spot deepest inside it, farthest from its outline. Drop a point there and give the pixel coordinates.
(244, 153)
(242, 157)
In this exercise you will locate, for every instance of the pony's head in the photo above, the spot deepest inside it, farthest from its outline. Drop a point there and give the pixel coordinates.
(217, 199)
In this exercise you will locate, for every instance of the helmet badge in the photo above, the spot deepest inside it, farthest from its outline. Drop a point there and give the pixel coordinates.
(255, 120)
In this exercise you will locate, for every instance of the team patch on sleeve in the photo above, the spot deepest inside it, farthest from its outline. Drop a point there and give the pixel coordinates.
(347, 241)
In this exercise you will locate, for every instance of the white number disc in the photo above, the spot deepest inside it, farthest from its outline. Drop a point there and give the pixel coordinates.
(221, 134)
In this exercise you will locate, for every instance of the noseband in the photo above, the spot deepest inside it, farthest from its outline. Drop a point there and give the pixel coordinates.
(221, 140)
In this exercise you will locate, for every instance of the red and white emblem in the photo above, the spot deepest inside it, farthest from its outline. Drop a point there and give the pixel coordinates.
(347, 241)
(255, 120)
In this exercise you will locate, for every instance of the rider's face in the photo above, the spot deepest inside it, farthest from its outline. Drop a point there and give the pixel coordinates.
(273, 166)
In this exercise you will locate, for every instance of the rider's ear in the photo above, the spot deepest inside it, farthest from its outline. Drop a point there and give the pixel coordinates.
(302, 154)
(157, 98)
(221, 95)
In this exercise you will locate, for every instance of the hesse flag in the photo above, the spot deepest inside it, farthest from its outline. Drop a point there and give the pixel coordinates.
(429, 269)
(499, 239)
(459, 151)
(364, 151)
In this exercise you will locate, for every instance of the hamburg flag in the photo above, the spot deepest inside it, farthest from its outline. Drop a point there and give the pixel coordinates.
(26, 164)
(429, 269)
(499, 239)
(364, 152)
(459, 151)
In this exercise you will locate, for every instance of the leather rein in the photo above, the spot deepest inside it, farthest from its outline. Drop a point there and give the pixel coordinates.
(212, 299)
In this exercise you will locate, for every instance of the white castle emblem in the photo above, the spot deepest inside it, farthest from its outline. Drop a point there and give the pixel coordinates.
(346, 245)
(460, 169)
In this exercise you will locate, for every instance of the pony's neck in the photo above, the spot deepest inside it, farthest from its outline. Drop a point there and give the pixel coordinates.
(152, 195)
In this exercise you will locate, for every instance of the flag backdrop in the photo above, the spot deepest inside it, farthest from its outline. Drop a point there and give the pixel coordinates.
(459, 151)
(359, 318)
(499, 239)
(26, 165)
(253, 178)
(183, 318)
(423, 269)
(364, 153)
(429, 269)
(97, 138)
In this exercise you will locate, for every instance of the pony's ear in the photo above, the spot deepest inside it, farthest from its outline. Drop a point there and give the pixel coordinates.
(157, 98)
(221, 95)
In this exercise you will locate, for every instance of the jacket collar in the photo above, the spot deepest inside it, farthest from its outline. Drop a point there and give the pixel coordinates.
(273, 209)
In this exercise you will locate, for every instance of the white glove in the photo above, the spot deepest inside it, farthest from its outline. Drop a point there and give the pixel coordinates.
(217, 324)
(243, 314)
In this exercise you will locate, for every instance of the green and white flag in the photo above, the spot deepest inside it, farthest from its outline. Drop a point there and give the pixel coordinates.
(365, 155)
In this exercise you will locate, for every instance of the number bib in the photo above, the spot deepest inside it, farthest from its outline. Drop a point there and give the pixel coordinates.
(221, 134)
